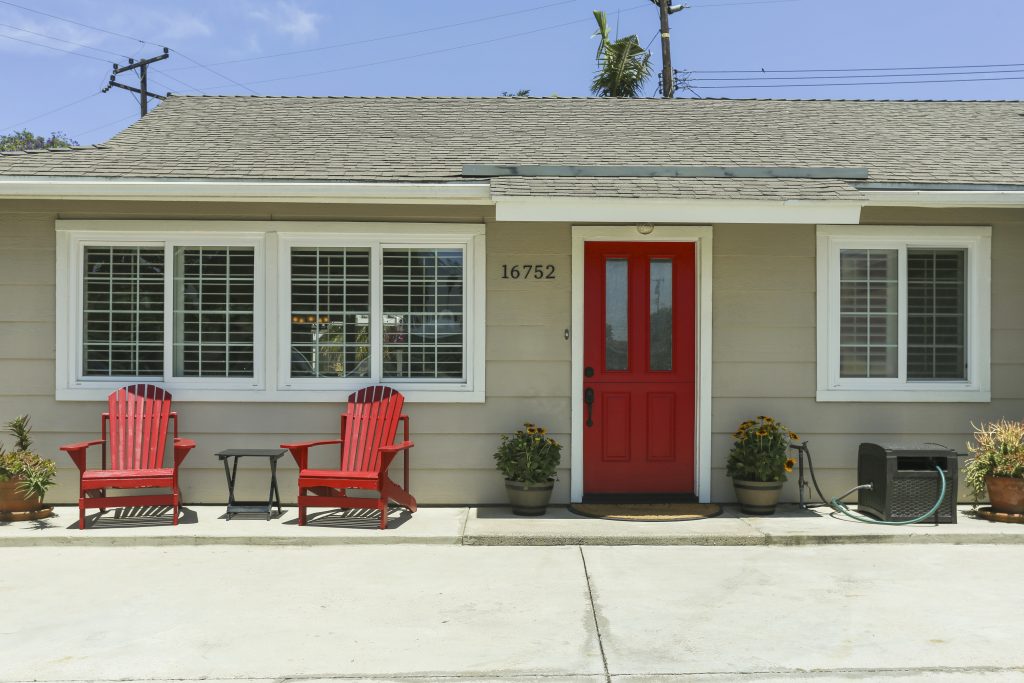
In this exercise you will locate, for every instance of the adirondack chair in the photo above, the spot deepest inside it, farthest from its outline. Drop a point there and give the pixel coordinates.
(368, 430)
(137, 417)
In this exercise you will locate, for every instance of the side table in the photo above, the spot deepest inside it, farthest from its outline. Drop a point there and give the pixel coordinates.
(272, 455)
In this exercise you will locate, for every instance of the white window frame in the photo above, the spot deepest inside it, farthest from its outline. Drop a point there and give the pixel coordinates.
(272, 304)
(467, 238)
(977, 241)
(71, 381)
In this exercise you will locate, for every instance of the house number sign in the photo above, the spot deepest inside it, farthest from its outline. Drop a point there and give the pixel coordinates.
(528, 271)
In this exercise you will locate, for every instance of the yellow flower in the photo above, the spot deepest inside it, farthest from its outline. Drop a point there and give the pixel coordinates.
(769, 420)
(531, 430)
(527, 424)
(541, 430)
(789, 464)
(793, 437)
(761, 432)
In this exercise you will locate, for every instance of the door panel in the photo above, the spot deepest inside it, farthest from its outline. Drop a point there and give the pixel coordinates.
(640, 363)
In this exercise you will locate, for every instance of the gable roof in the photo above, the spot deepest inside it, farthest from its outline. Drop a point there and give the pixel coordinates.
(414, 139)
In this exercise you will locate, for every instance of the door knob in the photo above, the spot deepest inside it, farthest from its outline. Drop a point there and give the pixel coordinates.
(588, 398)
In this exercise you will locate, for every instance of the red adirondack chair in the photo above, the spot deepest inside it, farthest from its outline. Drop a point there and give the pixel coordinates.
(367, 446)
(138, 420)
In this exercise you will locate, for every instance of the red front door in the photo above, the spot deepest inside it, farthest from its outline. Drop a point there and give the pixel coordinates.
(639, 355)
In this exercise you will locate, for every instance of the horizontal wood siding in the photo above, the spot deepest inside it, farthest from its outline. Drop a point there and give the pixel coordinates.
(527, 372)
(765, 336)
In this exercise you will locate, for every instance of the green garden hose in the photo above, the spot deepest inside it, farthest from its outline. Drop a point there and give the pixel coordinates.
(839, 507)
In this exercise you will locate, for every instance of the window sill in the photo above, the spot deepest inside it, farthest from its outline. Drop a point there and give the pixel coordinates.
(207, 395)
(931, 395)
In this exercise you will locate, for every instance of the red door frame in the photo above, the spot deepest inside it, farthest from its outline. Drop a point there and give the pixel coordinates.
(624, 452)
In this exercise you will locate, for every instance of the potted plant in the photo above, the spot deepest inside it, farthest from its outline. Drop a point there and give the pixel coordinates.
(758, 463)
(24, 476)
(998, 465)
(529, 460)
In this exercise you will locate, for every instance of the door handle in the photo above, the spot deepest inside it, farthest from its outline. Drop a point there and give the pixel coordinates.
(588, 398)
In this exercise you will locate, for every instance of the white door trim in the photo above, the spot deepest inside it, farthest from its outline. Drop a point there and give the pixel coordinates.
(701, 235)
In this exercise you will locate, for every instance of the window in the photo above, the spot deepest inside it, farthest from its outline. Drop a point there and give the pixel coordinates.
(397, 308)
(206, 310)
(903, 313)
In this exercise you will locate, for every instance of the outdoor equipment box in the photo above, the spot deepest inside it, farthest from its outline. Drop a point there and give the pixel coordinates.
(904, 482)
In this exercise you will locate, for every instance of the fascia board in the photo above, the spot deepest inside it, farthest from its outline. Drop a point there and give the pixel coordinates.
(257, 191)
(994, 198)
(595, 210)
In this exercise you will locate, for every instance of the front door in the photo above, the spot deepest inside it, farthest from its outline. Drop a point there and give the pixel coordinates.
(639, 356)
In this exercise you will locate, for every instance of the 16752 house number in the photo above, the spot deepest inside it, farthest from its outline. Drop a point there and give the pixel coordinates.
(528, 271)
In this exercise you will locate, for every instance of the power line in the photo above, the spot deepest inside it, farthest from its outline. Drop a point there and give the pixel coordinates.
(877, 75)
(217, 73)
(58, 49)
(874, 68)
(745, 2)
(52, 111)
(104, 125)
(434, 52)
(389, 36)
(178, 80)
(62, 40)
(823, 85)
(76, 23)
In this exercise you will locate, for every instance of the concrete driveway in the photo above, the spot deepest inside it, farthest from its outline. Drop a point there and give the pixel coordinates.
(935, 612)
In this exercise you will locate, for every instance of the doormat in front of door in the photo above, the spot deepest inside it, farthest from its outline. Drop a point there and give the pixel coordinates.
(647, 512)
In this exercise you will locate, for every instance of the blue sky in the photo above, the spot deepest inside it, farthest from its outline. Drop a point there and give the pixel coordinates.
(345, 47)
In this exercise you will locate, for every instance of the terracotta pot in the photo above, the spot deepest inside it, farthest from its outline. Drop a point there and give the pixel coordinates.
(1006, 494)
(529, 499)
(12, 500)
(757, 497)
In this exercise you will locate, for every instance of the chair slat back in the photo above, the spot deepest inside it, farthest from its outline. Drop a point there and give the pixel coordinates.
(371, 422)
(138, 427)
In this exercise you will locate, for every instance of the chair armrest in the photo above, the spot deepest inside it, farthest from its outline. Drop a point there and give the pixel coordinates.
(300, 451)
(77, 451)
(395, 448)
(388, 453)
(181, 449)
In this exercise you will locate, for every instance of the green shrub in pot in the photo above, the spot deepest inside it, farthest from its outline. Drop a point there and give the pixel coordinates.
(25, 475)
(529, 459)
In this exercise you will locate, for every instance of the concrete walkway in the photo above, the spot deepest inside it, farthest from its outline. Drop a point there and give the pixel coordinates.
(552, 614)
(206, 525)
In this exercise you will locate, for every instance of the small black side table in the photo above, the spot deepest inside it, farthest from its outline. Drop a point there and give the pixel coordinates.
(272, 455)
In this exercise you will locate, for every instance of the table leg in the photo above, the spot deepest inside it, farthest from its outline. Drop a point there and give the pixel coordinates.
(232, 475)
(273, 482)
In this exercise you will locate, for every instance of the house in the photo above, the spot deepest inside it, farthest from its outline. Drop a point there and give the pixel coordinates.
(638, 276)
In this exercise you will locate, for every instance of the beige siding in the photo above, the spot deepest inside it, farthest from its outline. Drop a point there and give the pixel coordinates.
(765, 336)
(764, 351)
(527, 372)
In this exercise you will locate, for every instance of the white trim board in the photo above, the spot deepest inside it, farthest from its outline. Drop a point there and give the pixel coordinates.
(674, 211)
(244, 190)
(702, 236)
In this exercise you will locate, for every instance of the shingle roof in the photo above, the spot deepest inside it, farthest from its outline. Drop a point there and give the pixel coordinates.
(429, 139)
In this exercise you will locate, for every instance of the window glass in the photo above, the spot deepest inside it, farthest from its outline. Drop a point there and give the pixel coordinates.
(936, 315)
(213, 311)
(330, 312)
(661, 314)
(123, 317)
(616, 314)
(423, 312)
(868, 313)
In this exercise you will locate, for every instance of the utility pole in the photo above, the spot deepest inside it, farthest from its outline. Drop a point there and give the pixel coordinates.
(668, 87)
(142, 90)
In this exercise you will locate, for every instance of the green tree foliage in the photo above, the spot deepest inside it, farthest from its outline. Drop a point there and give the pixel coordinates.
(622, 65)
(515, 93)
(24, 139)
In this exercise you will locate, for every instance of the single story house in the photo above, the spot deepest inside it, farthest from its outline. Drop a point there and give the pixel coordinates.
(637, 276)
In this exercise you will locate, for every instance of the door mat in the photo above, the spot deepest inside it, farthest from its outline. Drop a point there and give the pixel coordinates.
(647, 512)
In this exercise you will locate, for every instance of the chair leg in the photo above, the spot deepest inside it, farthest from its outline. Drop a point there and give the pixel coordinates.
(81, 513)
(302, 509)
(383, 505)
(177, 505)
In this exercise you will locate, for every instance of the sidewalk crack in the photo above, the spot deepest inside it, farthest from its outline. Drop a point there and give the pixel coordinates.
(593, 613)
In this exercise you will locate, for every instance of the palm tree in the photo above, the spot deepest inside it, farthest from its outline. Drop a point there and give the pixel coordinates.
(622, 65)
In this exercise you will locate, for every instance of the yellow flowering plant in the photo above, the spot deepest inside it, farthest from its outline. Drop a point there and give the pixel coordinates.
(528, 455)
(759, 450)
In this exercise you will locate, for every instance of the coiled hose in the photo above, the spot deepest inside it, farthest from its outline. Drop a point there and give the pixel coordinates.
(837, 504)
